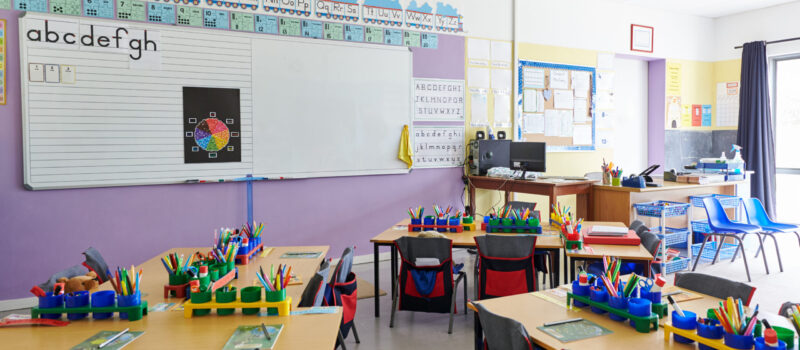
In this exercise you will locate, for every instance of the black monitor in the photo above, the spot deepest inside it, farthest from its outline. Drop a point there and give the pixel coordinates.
(528, 156)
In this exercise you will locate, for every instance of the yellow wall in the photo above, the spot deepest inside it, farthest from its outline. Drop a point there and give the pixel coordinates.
(699, 85)
(725, 71)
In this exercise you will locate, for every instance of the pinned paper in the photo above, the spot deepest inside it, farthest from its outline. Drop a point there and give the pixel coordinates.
(479, 108)
(539, 102)
(605, 80)
(533, 78)
(478, 77)
(533, 123)
(580, 84)
(563, 99)
(566, 123)
(552, 123)
(502, 109)
(559, 79)
(529, 101)
(582, 135)
(581, 111)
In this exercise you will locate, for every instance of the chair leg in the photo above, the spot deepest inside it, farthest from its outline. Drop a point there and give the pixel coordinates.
(798, 237)
(719, 248)
(341, 341)
(777, 251)
(697, 258)
(465, 294)
(760, 247)
(452, 310)
(744, 256)
(394, 302)
(355, 334)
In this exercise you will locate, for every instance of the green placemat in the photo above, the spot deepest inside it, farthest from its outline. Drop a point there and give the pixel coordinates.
(97, 339)
(567, 332)
(252, 337)
(301, 255)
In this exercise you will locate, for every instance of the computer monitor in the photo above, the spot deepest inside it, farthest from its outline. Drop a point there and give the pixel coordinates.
(528, 156)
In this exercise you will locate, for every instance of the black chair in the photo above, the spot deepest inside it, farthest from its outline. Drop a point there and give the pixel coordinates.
(544, 259)
(502, 333)
(714, 286)
(342, 290)
(505, 265)
(314, 293)
(426, 281)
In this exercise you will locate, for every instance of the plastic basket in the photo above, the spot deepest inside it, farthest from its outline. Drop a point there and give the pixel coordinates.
(677, 264)
(727, 251)
(701, 226)
(674, 236)
(655, 209)
(726, 201)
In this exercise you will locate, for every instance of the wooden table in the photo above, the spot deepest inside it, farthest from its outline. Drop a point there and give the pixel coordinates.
(636, 253)
(464, 239)
(549, 188)
(533, 311)
(169, 329)
(615, 203)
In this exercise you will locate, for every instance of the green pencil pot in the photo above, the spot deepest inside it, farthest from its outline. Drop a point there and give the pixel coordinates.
(205, 281)
(467, 220)
(213, 272)
(279, 295)
(226, 297)
(231, 265)
(785, 334)
(507, 222)
(251, 295)
(223, 269)
(533, 222)
(494, 223)
(520, 223)
(176, 280)
(616, 181)
(200, 298)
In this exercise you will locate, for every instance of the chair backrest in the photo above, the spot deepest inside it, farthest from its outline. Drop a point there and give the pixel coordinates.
(412, 248)
(314, 293)
(639, 227)
(756, 215)
(651, 242)
(521, 205)
(715, 212)
(425, 287)
(502, 246)
(502, 333)
(343, 267)
(714, 286)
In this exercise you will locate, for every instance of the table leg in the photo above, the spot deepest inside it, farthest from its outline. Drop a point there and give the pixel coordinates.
(375, 266)
(571, 269)
(471, 199)
(566, 268)
(506, 197)
(582, 204)
(393, 264)
(478, 333)
(553, 268)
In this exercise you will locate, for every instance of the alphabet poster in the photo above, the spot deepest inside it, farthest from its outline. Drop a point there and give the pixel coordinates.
(438, 146)
(438, 99)
(211, 126)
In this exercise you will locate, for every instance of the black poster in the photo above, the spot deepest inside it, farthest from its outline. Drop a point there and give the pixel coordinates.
(211, 125)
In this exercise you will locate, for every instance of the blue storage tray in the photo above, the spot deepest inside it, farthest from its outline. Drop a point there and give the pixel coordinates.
(725, 200)
(655, 209)
(701, 226)
(727, 251)
(677, 264)
(674, 236)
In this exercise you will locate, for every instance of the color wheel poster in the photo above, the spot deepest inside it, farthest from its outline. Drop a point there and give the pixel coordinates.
(211, 125)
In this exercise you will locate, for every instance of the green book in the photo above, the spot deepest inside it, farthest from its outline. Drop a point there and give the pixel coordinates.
(252, 337)
(94, 341)
(301, 255)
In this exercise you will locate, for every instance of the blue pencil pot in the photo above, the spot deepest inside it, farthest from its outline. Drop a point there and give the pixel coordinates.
(633, 294)
(713, 331)
(486, 219)
(129, 300)
(454, 222)
(739, 341)
(416, 222)
(77, 299)
(578, 289)
(760, 345)
(654, 297)
(244, 249)
(639, 307)
(429, 221)
(51, 301)
(689, 321)
(598, 294)
(441, 222)
(103, 298)
(617, 302)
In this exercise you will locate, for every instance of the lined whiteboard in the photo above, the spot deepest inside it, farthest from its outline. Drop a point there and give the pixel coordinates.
(121, 123)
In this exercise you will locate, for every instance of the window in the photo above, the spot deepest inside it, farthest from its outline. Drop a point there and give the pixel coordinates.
(786, 79)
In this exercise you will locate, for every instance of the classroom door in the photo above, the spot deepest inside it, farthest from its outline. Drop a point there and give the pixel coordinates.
(630, 117)
(786, 79)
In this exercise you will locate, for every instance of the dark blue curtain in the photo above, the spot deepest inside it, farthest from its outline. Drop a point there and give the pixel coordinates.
(755, 132)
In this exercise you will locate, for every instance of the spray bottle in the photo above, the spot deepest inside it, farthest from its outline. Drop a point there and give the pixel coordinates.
(736, 163)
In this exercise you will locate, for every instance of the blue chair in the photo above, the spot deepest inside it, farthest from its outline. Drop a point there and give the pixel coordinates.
(722, 226)
(756, 215)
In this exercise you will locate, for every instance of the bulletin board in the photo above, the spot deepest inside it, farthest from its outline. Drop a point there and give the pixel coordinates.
(584, 122)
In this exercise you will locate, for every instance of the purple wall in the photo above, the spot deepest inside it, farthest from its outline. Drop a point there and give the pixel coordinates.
(45, 231)
(656, 110)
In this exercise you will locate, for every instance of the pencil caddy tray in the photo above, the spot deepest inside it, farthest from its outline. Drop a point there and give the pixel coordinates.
(643, 324)
(135, 312)
(718, 344)
(244, 254)
(181, 290)
(284, 307)
(432, 224)
(514, 225)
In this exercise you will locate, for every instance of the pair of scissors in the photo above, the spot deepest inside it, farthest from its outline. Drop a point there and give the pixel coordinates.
(645, 283)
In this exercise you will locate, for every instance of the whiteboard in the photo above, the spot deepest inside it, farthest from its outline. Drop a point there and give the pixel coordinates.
(304, 111)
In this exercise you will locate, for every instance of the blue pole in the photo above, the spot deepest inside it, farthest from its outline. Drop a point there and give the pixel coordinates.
(250, 199)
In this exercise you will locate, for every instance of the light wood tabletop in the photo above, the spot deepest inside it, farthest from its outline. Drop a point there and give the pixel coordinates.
(591, 251)
(169, 329)
(666, 186)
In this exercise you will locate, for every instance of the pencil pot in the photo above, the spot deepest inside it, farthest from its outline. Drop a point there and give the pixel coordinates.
(103, 298)
(231, 265)
(494, 222)
(205, 281)
(654, 297)
(606, 178)
(429, 221)
(486, 219)
(243, 250)
(616, 181)
(784, 334)
(598, 294)
(467, 220)
(617, 302)
(226, 297)
(520, 223)
(454, 222)
(177, 279)
(738, 341)
(213, 272)
(533, 222)
(507, 222)
(134, 299)
(223, 269)
(712, 331)
(77, 299)
(200, 298)
(578, 289)
(276, 295)
(640, 307)
(416, 222)
(761, 345)
(440, 223)
(688, 321)
(634, 292)
(51, 301)
(251, 295)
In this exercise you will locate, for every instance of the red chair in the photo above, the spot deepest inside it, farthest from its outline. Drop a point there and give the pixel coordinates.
(425, 282)
(505, 265)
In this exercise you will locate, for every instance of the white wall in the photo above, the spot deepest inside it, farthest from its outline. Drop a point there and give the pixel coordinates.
(772, 23)
(630, 126)
(605, 26)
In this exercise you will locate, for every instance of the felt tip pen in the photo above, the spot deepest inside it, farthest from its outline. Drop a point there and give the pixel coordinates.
(675, 306)
(112, 339)
(563, 322)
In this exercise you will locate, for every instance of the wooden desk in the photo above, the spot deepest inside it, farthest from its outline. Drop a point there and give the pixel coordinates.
(533, 311)
(636, 253)
(170, 329)
(464, 239)
(615, 203)
(550, 188)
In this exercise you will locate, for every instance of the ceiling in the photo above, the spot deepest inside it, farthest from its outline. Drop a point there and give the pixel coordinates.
(706, 8)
